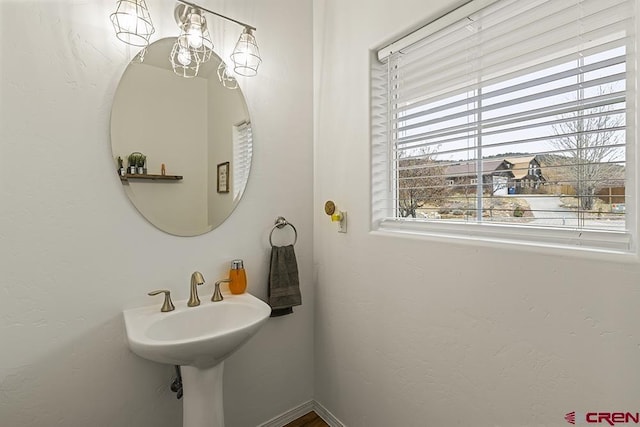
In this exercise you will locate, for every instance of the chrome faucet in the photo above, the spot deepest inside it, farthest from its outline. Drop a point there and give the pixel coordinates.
(196, 280)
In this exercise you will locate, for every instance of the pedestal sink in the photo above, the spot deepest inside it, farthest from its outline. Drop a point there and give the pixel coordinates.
(198, 339)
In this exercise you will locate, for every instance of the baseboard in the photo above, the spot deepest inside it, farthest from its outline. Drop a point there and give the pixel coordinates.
(327, 416)
(290, 415)
(295, 413)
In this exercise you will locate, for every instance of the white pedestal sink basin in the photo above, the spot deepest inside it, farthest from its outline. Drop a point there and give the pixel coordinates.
(198, 339)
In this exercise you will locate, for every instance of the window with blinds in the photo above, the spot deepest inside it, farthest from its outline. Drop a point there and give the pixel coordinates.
(510, 119)
(242, 153)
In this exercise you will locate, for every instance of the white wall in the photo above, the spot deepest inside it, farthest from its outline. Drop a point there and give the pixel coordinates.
(75, 252)
(412, 332)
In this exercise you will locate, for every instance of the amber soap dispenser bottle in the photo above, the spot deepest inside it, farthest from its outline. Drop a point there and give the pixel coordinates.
(238, 277)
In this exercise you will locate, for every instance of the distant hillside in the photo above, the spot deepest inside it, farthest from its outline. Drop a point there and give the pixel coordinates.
(508, 155)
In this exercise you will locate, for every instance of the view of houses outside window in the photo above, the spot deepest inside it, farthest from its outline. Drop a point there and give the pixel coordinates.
(557, 159)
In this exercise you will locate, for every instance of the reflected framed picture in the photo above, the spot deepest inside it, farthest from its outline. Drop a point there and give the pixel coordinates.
(223, 177)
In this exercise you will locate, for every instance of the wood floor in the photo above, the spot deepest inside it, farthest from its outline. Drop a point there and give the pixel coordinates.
(309, 420)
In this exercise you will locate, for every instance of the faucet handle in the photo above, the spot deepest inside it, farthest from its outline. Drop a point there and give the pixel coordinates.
(217, 295)
(167, 305)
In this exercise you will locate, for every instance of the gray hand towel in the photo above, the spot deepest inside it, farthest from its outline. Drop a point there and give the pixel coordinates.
(284, 286)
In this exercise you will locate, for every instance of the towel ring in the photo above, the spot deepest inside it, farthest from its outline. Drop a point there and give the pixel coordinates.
(280, 223)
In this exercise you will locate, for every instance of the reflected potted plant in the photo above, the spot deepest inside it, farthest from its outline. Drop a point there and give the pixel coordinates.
(121, 170)
(142, 159)
(133, 163)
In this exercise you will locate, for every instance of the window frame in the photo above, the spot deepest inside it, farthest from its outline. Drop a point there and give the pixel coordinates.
(622, 245)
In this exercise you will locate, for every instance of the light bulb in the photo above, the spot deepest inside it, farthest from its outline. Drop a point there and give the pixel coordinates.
(184, 57)
(194, 36)
(241, 57)
(127, 17)
(193, 28)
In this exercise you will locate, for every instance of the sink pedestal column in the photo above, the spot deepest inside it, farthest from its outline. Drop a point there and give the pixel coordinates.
(202, 396)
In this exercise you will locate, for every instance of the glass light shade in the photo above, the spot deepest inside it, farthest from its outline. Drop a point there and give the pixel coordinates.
(226, 78)
(194, 35)
(132, 22)
(183, 58)
(193, 28)
(246, 56)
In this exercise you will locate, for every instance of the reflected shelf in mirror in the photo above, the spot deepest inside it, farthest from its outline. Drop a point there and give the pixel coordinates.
(152, 177)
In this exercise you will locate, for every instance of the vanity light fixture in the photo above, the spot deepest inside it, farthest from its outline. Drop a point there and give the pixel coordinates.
(132, 22)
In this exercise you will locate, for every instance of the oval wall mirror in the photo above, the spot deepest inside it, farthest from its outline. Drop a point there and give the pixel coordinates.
(195, 136)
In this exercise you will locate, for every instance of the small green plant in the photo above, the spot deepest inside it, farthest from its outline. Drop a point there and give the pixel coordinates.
(142, 159)
(518, 212)
(133, 158)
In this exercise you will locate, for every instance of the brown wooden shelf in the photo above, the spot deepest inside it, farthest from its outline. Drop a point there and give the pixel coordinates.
(150, 176)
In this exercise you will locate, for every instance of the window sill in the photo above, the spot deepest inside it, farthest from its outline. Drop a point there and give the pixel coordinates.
(601, 245)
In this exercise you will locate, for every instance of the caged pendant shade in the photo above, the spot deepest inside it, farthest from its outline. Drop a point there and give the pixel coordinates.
(226, 78)
(246, 56)
(132, 22)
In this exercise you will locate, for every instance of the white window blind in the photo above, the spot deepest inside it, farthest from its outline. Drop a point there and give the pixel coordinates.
(514, 122)
(242, 153)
